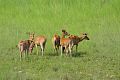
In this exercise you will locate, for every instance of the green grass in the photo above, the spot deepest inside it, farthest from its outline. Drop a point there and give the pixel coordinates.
(97, 59)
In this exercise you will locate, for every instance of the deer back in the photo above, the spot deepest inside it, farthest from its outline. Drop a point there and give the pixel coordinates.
(40, 40)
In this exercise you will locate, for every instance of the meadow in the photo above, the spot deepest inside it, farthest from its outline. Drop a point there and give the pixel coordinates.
(96, 59)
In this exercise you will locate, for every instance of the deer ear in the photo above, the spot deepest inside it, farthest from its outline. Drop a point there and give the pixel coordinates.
(63, 30)
(82, 33)
(33, 33)
(85, 33)
(27, 32)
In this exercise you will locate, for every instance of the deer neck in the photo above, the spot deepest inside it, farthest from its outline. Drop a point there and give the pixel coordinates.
(63, 35)
(81, 38)
(32, 39)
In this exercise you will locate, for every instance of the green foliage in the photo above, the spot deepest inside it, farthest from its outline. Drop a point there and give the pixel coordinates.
(97, 59)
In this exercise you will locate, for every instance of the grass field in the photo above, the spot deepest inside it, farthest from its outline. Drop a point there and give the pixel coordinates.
(97, 59)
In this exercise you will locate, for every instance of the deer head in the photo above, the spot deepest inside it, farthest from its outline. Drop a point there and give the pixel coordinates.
(65, 33)
(31, 35)
(84, 36)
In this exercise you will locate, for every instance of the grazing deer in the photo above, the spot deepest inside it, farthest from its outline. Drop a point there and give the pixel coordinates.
(24, 46)
(56, 40)
(38, 41)
(69, 43)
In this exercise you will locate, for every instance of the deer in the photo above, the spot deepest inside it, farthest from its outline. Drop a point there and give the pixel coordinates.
(24, 46)
(72, 40)
(38, 41)
(31, 35)
(56, 40)
(77, 39)
(63, 41)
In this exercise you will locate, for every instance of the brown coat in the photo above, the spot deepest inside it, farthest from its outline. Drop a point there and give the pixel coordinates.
(24, 46)
(40, 41)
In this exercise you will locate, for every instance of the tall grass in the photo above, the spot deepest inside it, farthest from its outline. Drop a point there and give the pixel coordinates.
(97, 59)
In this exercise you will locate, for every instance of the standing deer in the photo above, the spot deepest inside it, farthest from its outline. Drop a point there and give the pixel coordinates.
(69, 43)
(56, 40)
(24, 46)
(63, 40)
(64, 33)
(31, 47)
(77, 39)
(31, 35)
(38, 41)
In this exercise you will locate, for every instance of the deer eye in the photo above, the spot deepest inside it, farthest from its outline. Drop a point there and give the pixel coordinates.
(85, 33)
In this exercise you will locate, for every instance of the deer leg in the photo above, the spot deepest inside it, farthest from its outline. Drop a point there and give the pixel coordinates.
(76, 47)
(36, 48)
(54, 49)
(61, 50)
(70, 49)
(21, 52)
(42, 49)
(27, 51)
(66, 50)
(57, 49)
(20, 55)
(53, 43)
